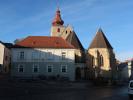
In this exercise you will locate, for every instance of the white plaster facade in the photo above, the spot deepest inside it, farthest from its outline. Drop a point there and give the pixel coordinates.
(5, 57)
(43, 58)
(42, 55)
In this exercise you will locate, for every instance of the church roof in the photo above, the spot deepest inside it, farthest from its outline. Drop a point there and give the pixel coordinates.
(74, 40)
(57, 20)
(100, 41)
(43, 42)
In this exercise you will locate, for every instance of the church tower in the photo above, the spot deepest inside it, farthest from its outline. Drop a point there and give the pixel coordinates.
(57, 24)
(58, 28)
(101, 58)
(67, 33)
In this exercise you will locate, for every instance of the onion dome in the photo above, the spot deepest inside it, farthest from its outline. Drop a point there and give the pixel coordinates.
(57, 20)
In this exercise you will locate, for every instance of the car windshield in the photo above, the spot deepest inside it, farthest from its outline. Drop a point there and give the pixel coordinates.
(131, 84)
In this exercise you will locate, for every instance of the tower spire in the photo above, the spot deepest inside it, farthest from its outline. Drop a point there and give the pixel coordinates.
(57, 19)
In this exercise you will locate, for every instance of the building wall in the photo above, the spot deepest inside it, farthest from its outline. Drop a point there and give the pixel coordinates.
(5, 55)
(104, 53)
(7, 60)
(108, 61)
(1, 53)
(43, 59)
(56, 69)
(64, 31)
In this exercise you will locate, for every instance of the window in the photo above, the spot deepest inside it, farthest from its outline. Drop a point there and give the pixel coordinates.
(49, 55)
(49, 68)
(22, 55)
(35, 55)
(63, 55)
(58, 30)
(20, 68)
(66, 32)
(35, 68)
(63, 68)
(43, 56)
(92, 61)
(131, 84)
(101, 60)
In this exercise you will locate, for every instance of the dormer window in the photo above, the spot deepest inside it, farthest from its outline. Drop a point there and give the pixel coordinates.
(58, 30)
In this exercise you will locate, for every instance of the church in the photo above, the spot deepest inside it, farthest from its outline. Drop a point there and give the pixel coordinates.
(101, 60)
(62, 55)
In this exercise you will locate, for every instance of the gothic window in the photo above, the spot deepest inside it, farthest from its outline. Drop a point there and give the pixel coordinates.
(92, 61)
(101, 60)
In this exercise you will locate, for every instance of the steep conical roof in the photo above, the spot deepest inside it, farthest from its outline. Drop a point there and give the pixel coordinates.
(57, 20)
(74, 40)
(100, 41)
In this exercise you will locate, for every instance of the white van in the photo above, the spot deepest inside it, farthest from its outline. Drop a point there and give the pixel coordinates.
(130, 89)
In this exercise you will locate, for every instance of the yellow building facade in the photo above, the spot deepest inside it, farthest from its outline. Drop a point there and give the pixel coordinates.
(101, 60)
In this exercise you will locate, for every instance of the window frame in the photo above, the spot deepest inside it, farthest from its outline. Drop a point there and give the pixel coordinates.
(65, 68)
(33, 68)
(63, 55)
(21, 55)
(20, 65)
(48, 68)
(49, 55)
(35, 55)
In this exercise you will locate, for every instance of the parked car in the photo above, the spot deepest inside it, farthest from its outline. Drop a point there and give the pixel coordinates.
(130, 89)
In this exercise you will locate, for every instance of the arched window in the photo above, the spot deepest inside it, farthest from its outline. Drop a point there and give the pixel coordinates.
(66, 32)
(58, 30)
(92, 61)
(101, 60)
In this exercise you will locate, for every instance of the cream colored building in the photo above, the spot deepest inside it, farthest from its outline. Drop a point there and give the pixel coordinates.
(5, 57)
(101, 60)
(37, 56)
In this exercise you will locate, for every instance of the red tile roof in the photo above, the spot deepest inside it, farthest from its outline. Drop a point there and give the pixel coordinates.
(43, 42)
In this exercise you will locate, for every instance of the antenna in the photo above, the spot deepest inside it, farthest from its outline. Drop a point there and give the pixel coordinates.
(57, 2)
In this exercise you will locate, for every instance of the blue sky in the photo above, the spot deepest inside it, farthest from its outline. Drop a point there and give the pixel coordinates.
(22, 18)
